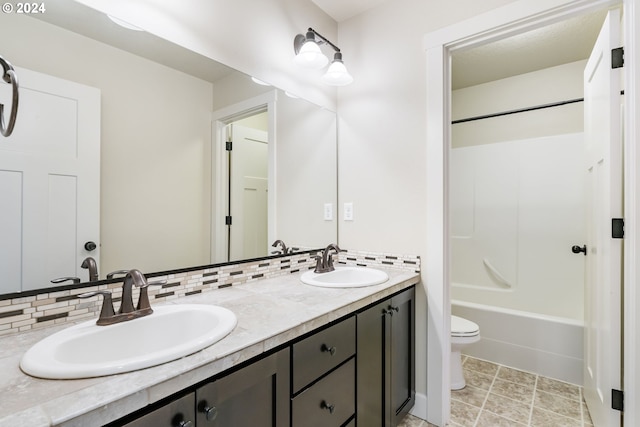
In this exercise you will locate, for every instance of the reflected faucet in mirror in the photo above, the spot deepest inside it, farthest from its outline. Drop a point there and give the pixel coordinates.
(283, 248)
(127, 311)
(324, 263)
(90, 264)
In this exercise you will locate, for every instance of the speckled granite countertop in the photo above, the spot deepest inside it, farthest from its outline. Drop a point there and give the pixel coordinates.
(270, 312)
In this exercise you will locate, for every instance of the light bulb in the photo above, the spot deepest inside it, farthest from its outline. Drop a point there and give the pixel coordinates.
(337, 74)
(310, 56)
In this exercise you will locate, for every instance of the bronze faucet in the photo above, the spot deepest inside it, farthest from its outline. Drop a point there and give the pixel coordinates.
(90, 264)
(324, 263)
(284, 250)
(108, 316)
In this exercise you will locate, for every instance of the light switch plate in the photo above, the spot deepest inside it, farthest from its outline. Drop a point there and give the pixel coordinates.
(328, 211)
(348, 211)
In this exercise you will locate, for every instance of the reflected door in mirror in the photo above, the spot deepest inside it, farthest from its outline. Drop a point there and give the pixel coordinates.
(248, 193)
(49, 183)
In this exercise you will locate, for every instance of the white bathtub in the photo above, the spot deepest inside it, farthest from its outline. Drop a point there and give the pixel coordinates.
(545, 345)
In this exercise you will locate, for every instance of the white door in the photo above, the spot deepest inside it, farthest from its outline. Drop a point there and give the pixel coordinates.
(248, 197)
(49, 182)
(254, 224)
(603, 334)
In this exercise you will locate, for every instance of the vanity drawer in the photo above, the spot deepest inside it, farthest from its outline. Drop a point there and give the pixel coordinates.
(329, 402)
(318, 354)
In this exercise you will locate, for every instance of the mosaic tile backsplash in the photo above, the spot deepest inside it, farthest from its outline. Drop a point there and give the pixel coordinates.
(52, 308)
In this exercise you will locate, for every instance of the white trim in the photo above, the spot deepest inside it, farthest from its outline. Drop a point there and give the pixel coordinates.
(513, 18)
(219, 196)
(631, 380)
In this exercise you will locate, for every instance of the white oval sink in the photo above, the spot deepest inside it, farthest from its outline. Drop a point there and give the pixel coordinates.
(87, 350)
(345, 277)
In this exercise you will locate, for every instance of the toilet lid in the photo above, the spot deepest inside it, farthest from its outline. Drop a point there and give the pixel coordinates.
(462, 327)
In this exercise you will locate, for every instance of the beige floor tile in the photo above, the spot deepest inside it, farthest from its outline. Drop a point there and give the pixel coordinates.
(488, 419)
(478, 379)
(515, 391)
(516, 376)
(542, 418)
(482, 366)
(411, 421)
(470, 395)
(560, 405)
(508, 408)
(463, 414)
(570, 391)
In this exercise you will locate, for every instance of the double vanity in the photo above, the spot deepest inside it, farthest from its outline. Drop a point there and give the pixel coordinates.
(296, 355)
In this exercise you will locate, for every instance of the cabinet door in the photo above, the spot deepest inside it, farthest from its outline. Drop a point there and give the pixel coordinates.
(179, 413)
(254, 396)
(386, 361)
(371, 327)
(402, 391)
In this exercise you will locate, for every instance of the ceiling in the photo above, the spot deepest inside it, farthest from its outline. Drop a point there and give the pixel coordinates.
(556, 44)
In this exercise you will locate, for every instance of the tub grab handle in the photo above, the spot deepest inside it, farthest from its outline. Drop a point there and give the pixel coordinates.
(502, 281)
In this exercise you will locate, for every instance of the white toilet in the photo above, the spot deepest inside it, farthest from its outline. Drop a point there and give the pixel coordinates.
(463, 333)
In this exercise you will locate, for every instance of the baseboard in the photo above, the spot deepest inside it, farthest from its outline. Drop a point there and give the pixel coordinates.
(420, 406)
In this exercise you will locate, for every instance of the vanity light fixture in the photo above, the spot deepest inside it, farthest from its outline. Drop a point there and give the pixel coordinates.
(260, 82)
(309, 55)
(124, 24)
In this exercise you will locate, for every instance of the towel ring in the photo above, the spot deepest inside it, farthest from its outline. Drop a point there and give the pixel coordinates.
(9, 75)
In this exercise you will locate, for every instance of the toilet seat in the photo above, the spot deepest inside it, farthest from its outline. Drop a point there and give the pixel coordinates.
(461, 327)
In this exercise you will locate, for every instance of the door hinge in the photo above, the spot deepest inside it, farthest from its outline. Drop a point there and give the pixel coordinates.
(227, 220)
(228, 145)
(617, 400)
(617, 228)
(617, 57)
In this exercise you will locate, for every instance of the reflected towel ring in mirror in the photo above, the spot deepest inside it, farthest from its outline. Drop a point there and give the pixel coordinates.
(9, 75)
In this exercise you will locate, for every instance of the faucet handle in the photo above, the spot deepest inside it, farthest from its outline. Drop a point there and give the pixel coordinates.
(107, 310)
(113, 273)
(143, 298)
(65, 279)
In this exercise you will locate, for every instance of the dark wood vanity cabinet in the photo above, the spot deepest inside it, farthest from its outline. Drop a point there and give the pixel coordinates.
(356, 371)
(256, 395)
(177, 413)
(386, 361)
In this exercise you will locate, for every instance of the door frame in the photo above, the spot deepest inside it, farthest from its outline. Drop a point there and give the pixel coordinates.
(511, 19)
(219, 169)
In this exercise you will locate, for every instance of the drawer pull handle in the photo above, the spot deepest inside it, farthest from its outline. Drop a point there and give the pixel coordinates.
(390, 310)
(331, 350)
(179, 421)
(325, 405)
(210, 412)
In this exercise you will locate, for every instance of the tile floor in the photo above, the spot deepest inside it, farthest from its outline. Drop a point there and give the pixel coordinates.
(497, 396)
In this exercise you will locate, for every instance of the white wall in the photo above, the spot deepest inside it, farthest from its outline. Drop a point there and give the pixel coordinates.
(555, 84)
(382, 149)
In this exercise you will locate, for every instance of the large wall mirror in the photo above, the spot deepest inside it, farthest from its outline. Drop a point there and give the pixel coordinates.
(157, 175)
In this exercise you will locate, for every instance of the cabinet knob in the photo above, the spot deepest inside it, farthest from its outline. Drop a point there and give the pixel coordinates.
(325, 405)
(331, 350)
(389, 310)
(179, 421)
(210, 412)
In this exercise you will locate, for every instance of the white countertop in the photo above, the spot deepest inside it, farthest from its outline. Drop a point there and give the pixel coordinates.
(270, 312)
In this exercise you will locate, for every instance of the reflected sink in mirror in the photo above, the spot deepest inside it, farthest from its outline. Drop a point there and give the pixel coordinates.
(345, 277)
(87, 350)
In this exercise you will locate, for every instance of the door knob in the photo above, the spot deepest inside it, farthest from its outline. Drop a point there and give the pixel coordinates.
(577, 249)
